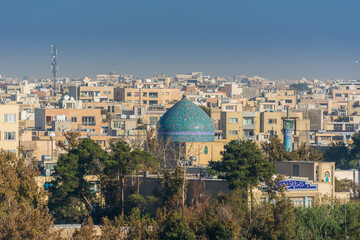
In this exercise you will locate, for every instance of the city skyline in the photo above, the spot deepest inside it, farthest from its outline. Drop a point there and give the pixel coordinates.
(276, 40)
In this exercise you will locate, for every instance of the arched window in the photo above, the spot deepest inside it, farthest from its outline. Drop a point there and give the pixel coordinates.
(206, 150)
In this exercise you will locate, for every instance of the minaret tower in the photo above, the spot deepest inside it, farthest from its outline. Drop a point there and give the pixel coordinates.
(288, 128)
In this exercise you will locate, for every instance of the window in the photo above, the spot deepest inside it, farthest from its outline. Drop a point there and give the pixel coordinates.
(272, 121)
(73, 119)
(136, 94)
(248, 121)
(106, 92)
(267, 106)
(350, 127)
(296, 170)
(153, 120)
(298, 202)
(9, 118)
(337, 127)
(233, 120)
(144, 102)
(153, 102)
(233, 132)
(288, 101)
(229, 107)
(167, 93)
(337, 94)
(310, 201)
(118, 124)
(205, 150)
(9, 136)
(317, 174)
(249, 133)
(144, 94)
(128, 94)
(88, 121)
(136, 101)
(153, 94)
(166, 101)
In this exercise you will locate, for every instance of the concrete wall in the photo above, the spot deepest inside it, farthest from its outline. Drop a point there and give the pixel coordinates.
(316, 118)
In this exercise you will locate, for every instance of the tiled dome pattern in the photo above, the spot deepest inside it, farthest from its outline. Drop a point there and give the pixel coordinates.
(186, 122)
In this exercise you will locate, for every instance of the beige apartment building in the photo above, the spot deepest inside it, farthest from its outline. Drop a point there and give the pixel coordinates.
(231, 125)
(88, 120)
(92, 93)
(283, 98)
(147, 97)
(9, 127)
(272, 123)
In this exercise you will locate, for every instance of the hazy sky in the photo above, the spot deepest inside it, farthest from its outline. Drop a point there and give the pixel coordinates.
(270, 38)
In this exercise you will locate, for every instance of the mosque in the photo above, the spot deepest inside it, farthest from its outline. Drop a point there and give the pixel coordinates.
(185, 124)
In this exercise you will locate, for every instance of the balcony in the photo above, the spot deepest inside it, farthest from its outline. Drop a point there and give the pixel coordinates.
(153, 95)
(249, 126)
(253, 138)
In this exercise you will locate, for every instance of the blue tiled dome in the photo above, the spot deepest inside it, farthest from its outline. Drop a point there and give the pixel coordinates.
(186, 122)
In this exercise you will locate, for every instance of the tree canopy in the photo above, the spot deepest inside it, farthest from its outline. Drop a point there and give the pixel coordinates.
(243, 165)
(23, 213)
(71, 198)
(299, 87)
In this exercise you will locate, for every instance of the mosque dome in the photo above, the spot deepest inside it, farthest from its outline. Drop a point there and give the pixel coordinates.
(186, 122)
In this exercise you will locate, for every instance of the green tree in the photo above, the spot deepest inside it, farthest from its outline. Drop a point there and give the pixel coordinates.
(343, 119)
(176, 227)
(140, 227)
(71, 140)
(274, 150)
(320, 222)
(243, 165)
(173, 185)
(87, 231)
(23, 214)
(306, 153)
(355, 150)
(114, 230)
(122, 162)
(71, 198)
(299, 87)
(339, 153)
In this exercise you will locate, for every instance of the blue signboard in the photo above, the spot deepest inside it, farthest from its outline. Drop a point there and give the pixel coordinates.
(296, 185)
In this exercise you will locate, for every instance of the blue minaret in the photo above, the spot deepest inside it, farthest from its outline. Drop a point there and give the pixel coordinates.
(288, 127)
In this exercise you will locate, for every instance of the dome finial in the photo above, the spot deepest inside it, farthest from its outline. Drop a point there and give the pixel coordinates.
(183, 96)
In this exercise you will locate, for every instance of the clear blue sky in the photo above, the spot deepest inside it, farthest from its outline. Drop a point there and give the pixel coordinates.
(271, 38)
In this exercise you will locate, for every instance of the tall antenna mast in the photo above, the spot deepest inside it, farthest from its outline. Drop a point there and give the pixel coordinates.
(54, 64)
